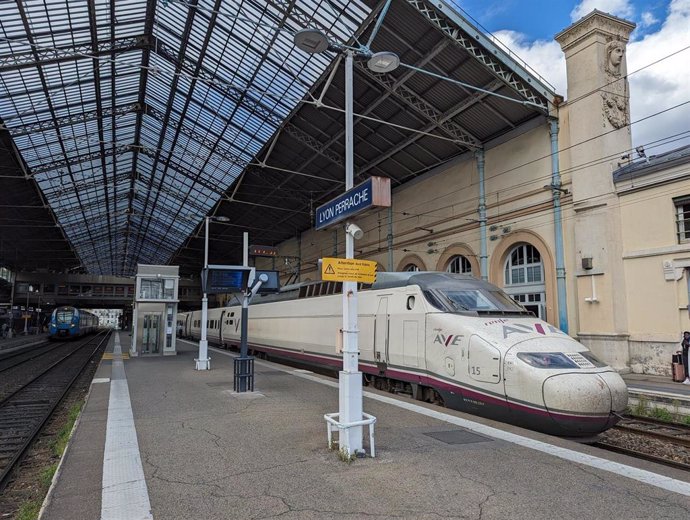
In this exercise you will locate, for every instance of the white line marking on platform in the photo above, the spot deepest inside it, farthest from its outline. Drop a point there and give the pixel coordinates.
(641, 475)
(124, 486)
(97, 380)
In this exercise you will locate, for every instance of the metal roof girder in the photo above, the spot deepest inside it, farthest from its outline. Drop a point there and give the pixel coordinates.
(59, 191)
(197, 179)
(452, 25)
(69, 52)
(430, 112)
(192, 134)
(71, 119)
(123, 148)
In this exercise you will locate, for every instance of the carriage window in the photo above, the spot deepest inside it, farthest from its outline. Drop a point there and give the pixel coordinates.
(410, 303)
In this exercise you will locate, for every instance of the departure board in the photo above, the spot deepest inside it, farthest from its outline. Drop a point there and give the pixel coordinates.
(226, 279)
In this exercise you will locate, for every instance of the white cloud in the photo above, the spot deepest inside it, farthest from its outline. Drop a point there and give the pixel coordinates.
(662, 84)
(655, 88)
(648, 19)
(545, 57)
(620, 8)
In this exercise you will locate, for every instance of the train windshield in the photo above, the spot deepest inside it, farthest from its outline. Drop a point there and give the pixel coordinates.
(480, 300)
(64, 315)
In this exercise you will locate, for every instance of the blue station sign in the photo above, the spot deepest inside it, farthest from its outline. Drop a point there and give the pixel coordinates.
(375, 192)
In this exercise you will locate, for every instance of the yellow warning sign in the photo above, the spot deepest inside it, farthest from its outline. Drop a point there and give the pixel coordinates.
(348, 270)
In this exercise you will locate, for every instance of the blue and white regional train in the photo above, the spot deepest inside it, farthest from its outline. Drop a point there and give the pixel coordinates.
(443, 338)
(70, 322)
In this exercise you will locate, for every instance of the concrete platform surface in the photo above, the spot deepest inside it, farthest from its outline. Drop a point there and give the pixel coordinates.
(210, 454)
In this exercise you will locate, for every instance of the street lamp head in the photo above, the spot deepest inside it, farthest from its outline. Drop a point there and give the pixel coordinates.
(383, 62)
(312, 41)
(219, 218)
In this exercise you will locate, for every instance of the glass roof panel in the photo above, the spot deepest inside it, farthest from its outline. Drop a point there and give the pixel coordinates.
(121, 166)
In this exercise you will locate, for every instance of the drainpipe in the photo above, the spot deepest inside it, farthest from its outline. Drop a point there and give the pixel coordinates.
(556, 191)
(479, 155)
(390, 238)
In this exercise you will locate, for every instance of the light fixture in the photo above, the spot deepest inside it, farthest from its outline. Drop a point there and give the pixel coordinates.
(354, 230)
(312, 41)
(383, 62)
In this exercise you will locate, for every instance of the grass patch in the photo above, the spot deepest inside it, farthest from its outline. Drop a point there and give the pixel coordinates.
(47, 476)
(641, 407)
(661, 414)
(29, 510)
(58, 446)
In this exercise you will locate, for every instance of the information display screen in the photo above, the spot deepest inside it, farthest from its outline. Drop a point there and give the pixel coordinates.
(228, 280)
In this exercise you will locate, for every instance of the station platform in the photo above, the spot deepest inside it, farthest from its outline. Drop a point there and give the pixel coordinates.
(21, 341)
(158, 439)
(649, 391)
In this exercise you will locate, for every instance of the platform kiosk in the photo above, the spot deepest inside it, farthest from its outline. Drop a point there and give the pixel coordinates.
(155, 310)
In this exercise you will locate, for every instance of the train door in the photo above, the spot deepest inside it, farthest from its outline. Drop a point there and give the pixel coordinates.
(483, 361)
(381, 332)
(151, 333)
(220, 329)
(186, 333)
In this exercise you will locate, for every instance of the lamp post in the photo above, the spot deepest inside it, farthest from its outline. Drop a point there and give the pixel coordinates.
(26, 310)
(203, 362)
(350, 405)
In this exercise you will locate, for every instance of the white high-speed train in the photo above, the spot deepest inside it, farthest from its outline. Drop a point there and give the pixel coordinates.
(441, 337)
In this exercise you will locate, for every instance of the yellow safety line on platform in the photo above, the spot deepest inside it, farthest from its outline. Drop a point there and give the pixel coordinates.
(109, 356)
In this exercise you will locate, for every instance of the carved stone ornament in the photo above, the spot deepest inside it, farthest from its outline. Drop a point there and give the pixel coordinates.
(614, 94)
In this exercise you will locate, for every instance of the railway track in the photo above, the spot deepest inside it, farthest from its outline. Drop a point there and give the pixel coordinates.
(25, 410)
(25, 355)
(650, 439)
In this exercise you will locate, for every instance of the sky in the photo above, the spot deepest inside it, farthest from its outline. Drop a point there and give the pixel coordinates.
(658, 54)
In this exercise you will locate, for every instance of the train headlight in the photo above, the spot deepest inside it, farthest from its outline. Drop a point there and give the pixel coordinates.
(546, 360)
(72, 326)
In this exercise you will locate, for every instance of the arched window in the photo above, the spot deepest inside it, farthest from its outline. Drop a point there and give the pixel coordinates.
(524, 278)
(459, 264)
(411, 267)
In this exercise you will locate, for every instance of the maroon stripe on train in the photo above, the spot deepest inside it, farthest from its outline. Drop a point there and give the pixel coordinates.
(436, 383)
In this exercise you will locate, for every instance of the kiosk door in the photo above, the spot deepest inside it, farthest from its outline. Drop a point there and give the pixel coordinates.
(151, 332)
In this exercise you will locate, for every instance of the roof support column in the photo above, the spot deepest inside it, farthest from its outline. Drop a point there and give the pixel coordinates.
(391, 267)
(558, 227)
(479, 156)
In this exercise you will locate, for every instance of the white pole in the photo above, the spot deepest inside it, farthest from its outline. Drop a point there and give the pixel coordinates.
(203, 362)
(245, 249)
(26, 313)
(350, 395)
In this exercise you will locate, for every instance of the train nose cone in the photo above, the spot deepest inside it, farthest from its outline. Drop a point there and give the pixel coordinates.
(583, 403)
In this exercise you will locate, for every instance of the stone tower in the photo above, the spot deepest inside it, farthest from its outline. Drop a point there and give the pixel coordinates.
(596, 118)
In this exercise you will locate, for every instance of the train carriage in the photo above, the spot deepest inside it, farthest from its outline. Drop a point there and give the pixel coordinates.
(441, 337)
(71, 322)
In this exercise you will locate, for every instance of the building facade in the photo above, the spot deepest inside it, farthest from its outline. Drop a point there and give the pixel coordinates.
(624, 284)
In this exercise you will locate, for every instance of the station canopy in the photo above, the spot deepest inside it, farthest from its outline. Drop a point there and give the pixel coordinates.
(133, 120)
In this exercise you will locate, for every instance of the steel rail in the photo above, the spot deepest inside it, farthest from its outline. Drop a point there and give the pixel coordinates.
(45, 371)
(32, 430)
(34, 353)
(644, 456)
(669, 437)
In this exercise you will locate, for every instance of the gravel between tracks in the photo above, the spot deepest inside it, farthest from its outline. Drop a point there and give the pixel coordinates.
(655, 447)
